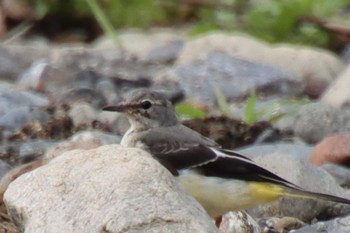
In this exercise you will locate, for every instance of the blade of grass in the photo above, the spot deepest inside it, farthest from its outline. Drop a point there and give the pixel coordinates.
(103, 21)
(250, 114)
(221, 100)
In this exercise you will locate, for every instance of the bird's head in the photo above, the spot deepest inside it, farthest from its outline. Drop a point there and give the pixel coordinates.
(146, 109)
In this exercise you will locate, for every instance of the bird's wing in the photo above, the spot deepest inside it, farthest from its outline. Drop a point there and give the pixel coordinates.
(177, 155)
(181, 155)
(173, 149)
(230, 164)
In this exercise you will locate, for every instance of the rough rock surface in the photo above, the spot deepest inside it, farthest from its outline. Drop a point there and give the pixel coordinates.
(108, 189)
(316, 121)
(337, 225)
(238, 221)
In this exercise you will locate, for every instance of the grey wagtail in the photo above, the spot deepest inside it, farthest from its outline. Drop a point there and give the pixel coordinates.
(221, 180)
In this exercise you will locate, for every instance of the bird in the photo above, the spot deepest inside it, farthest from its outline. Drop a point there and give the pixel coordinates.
(221, 180)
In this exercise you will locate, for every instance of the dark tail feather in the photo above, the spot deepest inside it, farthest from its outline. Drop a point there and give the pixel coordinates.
(296, 192)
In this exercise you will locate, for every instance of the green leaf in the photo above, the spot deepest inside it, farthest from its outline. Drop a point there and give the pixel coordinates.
(189, 110)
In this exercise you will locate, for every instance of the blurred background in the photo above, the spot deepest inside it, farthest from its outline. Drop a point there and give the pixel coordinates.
(315, 22)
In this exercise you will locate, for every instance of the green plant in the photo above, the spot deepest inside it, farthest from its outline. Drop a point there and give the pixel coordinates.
(271, 20)
(221, 101)
(189, 110)
(121, 13)
(281, 20)
(103, 20)
(250, 113)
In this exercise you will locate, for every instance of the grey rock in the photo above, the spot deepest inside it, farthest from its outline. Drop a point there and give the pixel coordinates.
(298, 150)
(345, 53)
(340, 173)
(86, 79)
(236, 78)
(16, 118)
(108, 189)
(235, 222)
(82, 114)
(37, 75)
(25, 54)
(81, 95)
(107, 89)
(315, 121)
(33, 149)
(8, 64)
(299, 171)
(150, 43)
(165, 52)
(4, 168)
(337, 225)
(12, 97)
(89, 139)
(317, 67)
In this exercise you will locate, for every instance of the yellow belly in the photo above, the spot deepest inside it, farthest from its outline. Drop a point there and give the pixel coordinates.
(218, 195)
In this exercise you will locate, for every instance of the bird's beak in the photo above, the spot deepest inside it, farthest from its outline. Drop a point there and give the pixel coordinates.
(120, 107)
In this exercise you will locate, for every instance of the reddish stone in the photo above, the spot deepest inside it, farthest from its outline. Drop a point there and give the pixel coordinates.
(332, 149)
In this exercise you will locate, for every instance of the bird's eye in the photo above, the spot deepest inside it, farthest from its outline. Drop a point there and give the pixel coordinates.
(146, 104)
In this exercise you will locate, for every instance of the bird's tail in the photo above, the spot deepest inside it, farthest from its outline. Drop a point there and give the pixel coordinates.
(298, 192)
(269, 191)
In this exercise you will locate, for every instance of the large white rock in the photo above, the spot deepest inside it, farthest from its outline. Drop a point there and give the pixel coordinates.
(108, 189)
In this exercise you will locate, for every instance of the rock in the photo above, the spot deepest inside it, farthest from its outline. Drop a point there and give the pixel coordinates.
(4, 168)
(8, 65)
(316, 121)
(340, 173)
(345, 53)
(33, 149)
(108, 91)
(26, 53)
(12, 97)
(284, 224)
(149, 44)
(82, 114)
(82, 95)
(337, 94)
(16, 118)
(165, 53)
(82, 140)
(337, 225)
(86, 79)
(109, 189)
(317, 67)
(235, 78)
(41, 75)
(297, 170)
(332, 149)
(239, 221)
(17, 152)
(298, 150)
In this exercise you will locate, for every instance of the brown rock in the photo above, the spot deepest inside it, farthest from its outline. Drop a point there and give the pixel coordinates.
(332, 149)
